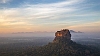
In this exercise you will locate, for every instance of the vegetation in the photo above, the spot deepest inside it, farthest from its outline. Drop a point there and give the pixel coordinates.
(69, 48)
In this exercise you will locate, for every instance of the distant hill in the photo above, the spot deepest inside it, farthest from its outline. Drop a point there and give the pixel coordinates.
(72, 31)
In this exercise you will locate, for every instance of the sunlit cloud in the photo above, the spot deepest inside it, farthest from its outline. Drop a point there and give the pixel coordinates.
(65, 14)
(47, 11)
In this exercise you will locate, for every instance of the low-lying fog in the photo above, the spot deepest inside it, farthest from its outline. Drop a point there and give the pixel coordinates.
(44, 38)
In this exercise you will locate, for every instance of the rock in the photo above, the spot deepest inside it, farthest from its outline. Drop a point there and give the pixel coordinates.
(62, 36)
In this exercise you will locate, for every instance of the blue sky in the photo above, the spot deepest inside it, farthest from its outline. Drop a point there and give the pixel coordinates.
(49, 15)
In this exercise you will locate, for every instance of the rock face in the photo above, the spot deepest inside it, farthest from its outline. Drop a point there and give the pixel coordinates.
(62, 36)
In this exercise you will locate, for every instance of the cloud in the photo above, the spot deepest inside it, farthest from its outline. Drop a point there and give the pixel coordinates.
(4, 1)
(31, 12)
(62, 14)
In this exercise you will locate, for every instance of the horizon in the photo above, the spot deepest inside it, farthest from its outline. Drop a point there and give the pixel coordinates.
(49, 16)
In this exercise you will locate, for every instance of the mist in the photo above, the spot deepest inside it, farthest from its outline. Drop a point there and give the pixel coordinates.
(43, 38)
(28, 34)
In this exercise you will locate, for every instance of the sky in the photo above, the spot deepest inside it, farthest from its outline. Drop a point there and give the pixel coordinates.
(49, 15)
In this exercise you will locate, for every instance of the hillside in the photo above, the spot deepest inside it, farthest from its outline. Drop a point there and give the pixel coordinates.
(64, 49)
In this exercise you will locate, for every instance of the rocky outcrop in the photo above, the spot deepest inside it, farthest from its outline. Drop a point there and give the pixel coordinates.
(62, 36)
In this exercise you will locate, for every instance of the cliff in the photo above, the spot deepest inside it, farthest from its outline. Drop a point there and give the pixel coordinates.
(62, 36)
